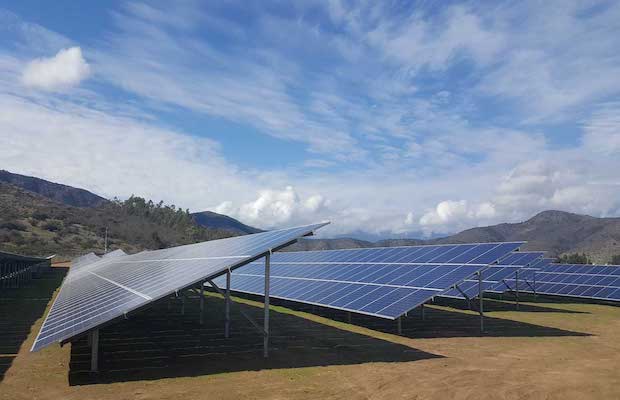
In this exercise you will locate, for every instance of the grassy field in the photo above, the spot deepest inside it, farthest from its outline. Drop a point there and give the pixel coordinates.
(546, 350)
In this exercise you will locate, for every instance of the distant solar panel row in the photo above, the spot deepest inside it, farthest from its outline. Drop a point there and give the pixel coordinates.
(383, 282)
(108, 288)
(578, 280)
(493, 277)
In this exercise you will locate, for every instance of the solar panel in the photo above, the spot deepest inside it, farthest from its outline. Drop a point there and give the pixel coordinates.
(526, 277)
(383, 282)
(115, 253)
(578, 280)
(541, 263)
(82, 261)
(109, 288)
(493, 277)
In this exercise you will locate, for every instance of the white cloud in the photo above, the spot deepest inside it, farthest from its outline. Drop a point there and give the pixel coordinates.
(394, 146)
(274, 208)
(67, 68)
(445, 212)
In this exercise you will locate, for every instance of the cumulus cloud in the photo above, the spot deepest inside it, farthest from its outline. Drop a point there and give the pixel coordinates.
(275, 207)
(65, 69)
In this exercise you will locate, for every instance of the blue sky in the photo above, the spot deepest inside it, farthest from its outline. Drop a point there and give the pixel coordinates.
(388, 118)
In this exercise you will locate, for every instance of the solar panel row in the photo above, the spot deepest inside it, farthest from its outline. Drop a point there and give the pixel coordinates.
(577, 280)
(383, 282)
(108, 288)
(493, 277)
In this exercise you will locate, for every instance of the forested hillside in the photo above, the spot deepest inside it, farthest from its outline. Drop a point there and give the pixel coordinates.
(33, 224)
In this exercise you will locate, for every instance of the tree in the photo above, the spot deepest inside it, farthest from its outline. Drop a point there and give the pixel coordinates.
(615, 260)
(574, 258)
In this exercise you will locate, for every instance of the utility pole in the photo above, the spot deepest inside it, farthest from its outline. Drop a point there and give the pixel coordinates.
(105, 242)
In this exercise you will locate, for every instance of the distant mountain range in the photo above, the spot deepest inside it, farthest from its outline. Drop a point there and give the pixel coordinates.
(23, 197)
(54, 191)
(556, 232)
(75, 197)
(214, 220)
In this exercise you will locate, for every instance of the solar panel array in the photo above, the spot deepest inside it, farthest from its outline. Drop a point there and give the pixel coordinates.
(383, 282)
(493, 277)
(108, 288)
(578, 280)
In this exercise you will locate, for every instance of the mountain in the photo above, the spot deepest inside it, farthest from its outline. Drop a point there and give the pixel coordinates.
(556, 232)
(214, 220)
(42, 217)
(34, 224)
(54, 191)
(305, 244)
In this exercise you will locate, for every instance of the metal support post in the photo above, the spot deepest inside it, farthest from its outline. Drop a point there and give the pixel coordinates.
(202, 303)
(266, 306)
(517, 289)
(399, 326)
(227, 307)
(182, 303)
(94, 350)
(422, 313)
(481, 300)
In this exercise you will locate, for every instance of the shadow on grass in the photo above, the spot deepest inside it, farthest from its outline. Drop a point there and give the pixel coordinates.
(504, 303)
(554, 299)
(20, 308)
(162, 343)
(439, 323)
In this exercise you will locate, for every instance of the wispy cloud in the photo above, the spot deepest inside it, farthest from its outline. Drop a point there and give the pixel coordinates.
(412, 117)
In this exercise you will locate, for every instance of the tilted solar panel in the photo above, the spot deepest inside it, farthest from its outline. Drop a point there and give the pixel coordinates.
(494, 276)
(115, 253)
(578, 280)
(109, 288)
(383, 282)
(81, 261)
(526, 280)
(521, 258)
(541, 263)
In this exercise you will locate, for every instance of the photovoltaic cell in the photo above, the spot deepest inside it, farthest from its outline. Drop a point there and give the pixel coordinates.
(383, 282)
(578, 280)
(108, 288)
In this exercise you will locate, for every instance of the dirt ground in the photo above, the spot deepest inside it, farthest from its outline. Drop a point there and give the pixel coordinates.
(546, 350)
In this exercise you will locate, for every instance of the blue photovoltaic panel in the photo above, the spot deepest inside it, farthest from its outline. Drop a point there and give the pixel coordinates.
(383, 282)
(526, 280)
(108, 288)
(493, 277)
(541, 263)
(578, 280)
(522, 258)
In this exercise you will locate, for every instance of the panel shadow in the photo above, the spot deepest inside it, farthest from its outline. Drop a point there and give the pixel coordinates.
(504, 302)
(438, 323)
(20, 308)
(161, 343)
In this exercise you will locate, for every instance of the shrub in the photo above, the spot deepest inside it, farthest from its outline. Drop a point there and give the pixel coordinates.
(52, 226)
(14, 226)
(41, 216)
